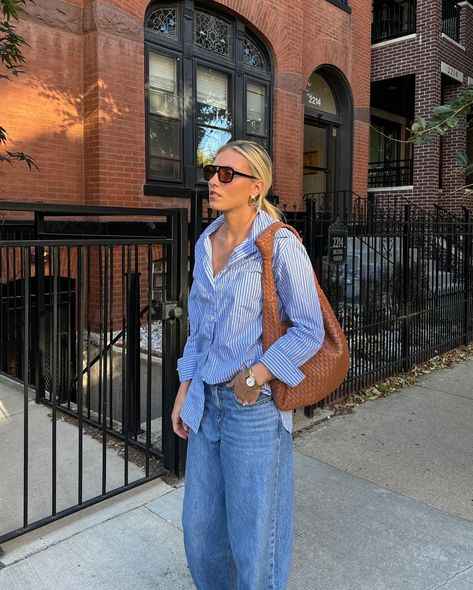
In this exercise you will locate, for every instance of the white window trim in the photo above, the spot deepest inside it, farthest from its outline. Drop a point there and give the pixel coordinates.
(389, 189)
(396, 40)
(444, 36)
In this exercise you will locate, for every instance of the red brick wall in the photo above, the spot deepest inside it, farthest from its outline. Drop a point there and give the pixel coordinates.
(42, 113)
(79, 108)
(422, 56)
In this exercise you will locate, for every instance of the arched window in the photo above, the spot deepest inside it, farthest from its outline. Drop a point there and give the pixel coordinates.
(319, 95)
(328, 122)
(208, 81)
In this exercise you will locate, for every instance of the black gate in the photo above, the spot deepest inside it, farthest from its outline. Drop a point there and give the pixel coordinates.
(93, 316)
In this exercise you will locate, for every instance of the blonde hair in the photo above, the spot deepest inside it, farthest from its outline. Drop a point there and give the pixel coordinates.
(261, 168)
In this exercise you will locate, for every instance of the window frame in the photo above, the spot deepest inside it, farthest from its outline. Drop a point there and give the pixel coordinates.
(190, 57)
(148, 115)
(343, 4)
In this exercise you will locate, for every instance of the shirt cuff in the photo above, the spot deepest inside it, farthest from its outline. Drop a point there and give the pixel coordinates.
(281, 367)
(186, 367)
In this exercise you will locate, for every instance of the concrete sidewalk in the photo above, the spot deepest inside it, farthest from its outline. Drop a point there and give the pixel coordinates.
(384, 501)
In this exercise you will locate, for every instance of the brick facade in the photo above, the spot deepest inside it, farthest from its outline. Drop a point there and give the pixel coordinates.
(79, 108)
(435, 172)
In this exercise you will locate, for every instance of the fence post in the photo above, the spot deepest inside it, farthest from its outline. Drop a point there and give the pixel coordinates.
(39, 342)
(309, 229)
(466, 275)
(174, 338)
(405, 331)
(133, 353)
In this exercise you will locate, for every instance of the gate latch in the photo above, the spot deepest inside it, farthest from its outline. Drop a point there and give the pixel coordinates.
(166, 310)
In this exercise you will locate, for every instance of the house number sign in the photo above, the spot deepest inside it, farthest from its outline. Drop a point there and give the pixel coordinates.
(338, 237)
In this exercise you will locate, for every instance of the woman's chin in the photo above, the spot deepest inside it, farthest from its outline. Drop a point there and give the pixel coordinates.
(215, 205)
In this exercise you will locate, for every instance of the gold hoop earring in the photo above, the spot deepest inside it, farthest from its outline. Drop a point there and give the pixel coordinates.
(253, 201)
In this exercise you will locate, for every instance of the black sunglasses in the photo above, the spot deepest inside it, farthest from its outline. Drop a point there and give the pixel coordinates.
(224, 173)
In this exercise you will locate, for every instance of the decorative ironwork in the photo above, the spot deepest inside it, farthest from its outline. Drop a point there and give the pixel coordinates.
(253, 56)
(212, 33)
(164, 21)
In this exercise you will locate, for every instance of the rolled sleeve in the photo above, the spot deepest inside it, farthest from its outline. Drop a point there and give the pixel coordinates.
(282, 367)
(294, 277)
(186, 367)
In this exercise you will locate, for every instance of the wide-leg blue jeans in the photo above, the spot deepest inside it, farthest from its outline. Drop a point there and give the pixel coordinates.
(238, 498)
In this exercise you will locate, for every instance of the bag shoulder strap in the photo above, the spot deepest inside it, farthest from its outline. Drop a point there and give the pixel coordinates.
(265, 241)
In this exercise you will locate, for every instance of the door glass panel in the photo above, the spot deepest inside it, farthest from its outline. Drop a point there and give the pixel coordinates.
(384, 141)
(315, 159)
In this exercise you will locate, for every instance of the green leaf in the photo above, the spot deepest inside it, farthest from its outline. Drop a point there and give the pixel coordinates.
(452, 122)
(462, 158)
(443, 109)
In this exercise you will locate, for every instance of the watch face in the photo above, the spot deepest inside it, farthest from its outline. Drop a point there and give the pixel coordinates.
(250, 381)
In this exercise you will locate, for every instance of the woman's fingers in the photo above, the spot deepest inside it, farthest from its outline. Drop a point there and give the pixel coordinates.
(180, 427)
(182, 431)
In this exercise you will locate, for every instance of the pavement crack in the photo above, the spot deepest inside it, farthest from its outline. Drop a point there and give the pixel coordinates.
(163, 518)
(443, 391)
(450, 579)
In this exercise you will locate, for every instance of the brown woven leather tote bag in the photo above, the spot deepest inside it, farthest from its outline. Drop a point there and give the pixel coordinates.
(326, 370)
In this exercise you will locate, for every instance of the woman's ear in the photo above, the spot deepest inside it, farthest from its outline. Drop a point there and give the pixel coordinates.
(259, 186)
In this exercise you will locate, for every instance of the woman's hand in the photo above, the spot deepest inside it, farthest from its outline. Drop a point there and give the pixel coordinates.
(245, 394)
(178, 425)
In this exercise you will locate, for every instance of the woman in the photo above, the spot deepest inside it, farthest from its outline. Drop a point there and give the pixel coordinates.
(238, 501)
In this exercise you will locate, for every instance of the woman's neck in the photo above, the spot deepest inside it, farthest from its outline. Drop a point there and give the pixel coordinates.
(237, 224)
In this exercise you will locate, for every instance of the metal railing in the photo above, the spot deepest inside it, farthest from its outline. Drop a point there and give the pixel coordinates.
(392, 19)
(92, 321)
(451, 19)
(404, 292)
(386, 174)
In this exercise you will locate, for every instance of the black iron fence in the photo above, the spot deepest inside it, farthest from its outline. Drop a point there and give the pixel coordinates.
(403, 291)
(386, 174)
(92, 321)
(392, 19)
(451, 19)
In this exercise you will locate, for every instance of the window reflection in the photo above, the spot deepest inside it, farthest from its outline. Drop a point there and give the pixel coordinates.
(209, 141)
(214, 121)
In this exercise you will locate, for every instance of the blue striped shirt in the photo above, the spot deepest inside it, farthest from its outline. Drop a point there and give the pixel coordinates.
(225, 316)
